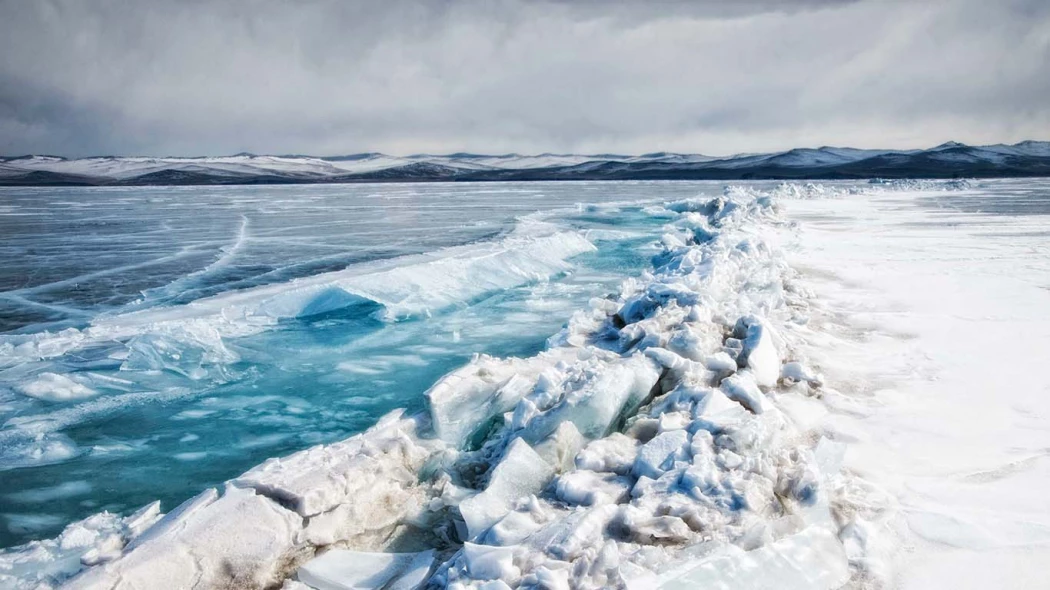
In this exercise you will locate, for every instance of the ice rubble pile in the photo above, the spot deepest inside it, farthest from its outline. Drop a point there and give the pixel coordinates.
(660, 441)
(816, 190)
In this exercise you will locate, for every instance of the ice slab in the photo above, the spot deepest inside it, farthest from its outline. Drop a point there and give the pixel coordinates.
(743, 388)
(595, 402)
(320, 478)
(520, 474)
(466, 401)
(237, 540)
(760, 350)
(490, 563)
(360, 488)
(659, 454)
(341, 569)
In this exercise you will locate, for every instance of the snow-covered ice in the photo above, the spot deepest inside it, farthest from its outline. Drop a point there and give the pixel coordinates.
(932, 315)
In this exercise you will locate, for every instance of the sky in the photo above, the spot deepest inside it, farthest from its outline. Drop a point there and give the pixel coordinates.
(328, 77)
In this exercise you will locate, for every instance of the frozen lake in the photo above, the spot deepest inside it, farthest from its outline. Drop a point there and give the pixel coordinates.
(190, 334)
(116, 389)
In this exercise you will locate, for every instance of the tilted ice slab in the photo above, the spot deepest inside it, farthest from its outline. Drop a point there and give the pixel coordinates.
(648, 438)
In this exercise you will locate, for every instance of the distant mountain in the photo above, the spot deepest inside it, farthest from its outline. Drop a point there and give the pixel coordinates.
(952, 159)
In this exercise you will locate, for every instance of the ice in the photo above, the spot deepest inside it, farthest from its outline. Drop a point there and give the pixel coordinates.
(798, 372)
(810, 560)
(518, 475)
(89, 542)
(587, 488)
(255, 537)
(361, 488)
(56, 388)
(615, 453)
(340, 569)
(659, 432)
(743, 388)
(660, 454)
(596, 399)
(759, 350)
(466, 401)
(131, 310)
(490, 563)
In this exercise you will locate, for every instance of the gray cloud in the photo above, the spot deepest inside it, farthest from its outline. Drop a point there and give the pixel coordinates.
(326, 76)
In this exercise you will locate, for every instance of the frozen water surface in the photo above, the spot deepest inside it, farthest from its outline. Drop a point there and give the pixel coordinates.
(800, 381)
(123, 371)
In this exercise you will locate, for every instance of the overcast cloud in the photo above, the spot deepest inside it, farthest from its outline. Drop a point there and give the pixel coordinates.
(324, 77)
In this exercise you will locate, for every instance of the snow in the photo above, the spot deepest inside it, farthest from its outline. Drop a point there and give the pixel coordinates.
(940, 317)
(587, 488)
(53, 387)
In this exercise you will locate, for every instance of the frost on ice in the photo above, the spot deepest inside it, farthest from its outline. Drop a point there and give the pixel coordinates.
(666, 438)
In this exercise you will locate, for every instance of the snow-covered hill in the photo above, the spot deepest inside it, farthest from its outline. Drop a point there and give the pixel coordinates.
(1028, 158)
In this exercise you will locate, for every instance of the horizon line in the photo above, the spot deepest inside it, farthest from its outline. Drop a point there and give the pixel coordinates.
(949, 143)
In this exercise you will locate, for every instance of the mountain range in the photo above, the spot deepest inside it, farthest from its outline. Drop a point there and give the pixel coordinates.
(949, 160)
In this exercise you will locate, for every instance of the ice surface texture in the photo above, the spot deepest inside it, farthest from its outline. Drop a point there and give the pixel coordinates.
(649, 435)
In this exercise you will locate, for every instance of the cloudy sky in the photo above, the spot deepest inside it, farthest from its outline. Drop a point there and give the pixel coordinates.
(325, 77)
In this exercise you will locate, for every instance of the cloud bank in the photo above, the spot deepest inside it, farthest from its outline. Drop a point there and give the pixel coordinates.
(325, 77)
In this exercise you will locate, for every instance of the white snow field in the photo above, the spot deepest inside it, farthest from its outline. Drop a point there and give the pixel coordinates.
(812, 386)
(940, 307)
